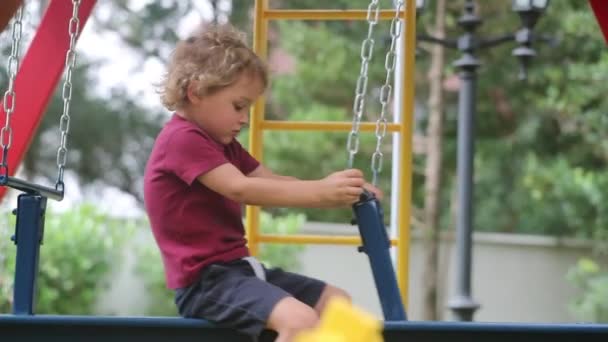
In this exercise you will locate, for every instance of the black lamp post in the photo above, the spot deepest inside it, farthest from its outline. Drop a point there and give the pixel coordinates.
(529, 11)
(468, 43)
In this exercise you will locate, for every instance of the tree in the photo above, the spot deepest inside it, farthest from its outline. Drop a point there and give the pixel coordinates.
(433, 169)
(109, 140)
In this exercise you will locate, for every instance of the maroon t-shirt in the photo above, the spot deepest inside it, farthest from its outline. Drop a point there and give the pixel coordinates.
(193, 225)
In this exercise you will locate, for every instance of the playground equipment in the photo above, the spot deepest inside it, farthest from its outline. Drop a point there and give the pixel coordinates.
(373, 240)
(601, 13)
(49, 50)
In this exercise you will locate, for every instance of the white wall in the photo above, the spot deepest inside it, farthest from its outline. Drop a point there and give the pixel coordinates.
(515, 278)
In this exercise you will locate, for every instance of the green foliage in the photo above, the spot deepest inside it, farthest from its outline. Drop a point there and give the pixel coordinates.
(150, 268)
(540, 147)
(109, 141)
(279, 255)
(592, 304)
(82, 245)
(323, 75)
(324, 80)
(570, 196)
(557, 114)
(79, 249)
(314, 155)
(551, 197)
(540, 166)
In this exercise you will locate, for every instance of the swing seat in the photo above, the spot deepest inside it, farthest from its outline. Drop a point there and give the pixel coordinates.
(116, 329)
(162, 329)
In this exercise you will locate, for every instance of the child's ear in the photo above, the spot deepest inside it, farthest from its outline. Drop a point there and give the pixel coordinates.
(192, 92)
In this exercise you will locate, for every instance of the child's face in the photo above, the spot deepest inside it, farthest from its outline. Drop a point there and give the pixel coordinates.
(224, 113)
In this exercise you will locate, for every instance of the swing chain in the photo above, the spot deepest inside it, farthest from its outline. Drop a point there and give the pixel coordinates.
(367, 49)
(6, 133)
(66, 94)
(385, 91)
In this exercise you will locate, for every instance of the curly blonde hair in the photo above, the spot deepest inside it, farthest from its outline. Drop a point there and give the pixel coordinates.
(215, 56)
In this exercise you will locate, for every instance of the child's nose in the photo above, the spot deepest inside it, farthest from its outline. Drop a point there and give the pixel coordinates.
(245, 118)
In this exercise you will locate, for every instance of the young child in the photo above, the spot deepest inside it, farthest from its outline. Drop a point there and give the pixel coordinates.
(197, 178)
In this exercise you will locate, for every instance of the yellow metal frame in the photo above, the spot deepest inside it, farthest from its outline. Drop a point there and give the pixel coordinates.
(263, 14)
(273, 125)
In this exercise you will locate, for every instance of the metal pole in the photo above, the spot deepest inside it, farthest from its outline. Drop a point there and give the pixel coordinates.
(396, 155)
(369, 218)
(28, 237)
(462, 305)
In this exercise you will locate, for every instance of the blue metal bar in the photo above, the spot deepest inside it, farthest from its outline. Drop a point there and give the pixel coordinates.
(376, 244)
(28, 237)
(162, 329)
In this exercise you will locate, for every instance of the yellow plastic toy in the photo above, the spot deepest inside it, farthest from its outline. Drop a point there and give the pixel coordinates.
(343, 322)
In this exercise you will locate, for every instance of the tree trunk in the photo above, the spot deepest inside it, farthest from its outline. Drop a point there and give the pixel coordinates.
(433, 170)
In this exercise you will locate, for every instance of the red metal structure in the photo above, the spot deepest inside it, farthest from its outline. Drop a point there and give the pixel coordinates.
(600, 8)
(38, 75)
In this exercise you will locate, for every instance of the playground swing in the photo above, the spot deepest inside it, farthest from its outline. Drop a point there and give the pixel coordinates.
(368, 211)
(31, 204)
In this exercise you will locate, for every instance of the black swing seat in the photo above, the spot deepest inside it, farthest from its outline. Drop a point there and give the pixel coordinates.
(26, 328)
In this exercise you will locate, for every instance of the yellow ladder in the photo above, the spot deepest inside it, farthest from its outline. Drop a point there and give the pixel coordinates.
(263, 14)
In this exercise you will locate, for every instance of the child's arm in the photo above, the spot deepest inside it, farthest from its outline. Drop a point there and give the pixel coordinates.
(338, 189)
(264, 172)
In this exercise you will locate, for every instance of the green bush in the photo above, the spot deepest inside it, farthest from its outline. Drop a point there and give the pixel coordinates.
(79, 248)
(150, 267)
(277, 255)
(82, 245)
(592, 304)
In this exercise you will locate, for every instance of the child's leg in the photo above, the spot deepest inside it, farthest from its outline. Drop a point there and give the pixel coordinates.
(231, 296)
(289, 317)
(310, 296)
(328, 293)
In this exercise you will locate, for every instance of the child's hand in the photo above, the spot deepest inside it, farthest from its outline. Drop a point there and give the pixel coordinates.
(374, 190)
(342, 188)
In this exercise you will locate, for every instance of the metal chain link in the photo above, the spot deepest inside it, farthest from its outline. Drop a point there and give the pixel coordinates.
(385, 92)
(64, 121)
(367, 49)
(6, 133)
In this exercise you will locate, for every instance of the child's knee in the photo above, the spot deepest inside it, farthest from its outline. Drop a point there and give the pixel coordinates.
(290, 316)
(326, 296)
(338, 292)
(332, 292)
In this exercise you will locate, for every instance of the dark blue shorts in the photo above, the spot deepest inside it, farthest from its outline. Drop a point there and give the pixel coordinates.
(230, 295)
